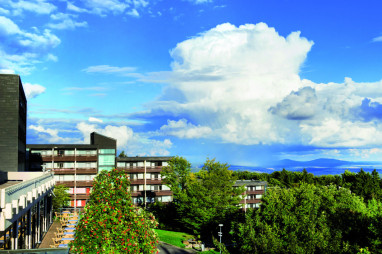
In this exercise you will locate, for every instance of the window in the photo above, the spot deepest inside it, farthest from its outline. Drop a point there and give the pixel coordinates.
(259, 187)
(107, 151)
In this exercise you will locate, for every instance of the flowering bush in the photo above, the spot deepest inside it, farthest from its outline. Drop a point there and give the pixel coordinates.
(111, 223)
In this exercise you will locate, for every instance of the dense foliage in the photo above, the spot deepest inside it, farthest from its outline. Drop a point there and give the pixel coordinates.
(111, 223)
(61, 196)
(363, 184)
(204, 199)
(311, 219)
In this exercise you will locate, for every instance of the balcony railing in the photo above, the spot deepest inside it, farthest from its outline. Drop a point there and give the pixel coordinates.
(72, 171)
(141, 169)
(64, 158)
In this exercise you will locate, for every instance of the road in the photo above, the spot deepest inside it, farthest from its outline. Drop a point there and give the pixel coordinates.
(165, 248)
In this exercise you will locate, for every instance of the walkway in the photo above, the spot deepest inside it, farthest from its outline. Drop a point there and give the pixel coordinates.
(48, 239)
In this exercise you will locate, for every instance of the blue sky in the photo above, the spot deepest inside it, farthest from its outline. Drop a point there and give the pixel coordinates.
(245, 82)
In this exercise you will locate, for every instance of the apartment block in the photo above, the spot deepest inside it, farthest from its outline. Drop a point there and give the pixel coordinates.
(75, 165)
(146, 182)
(254, 191)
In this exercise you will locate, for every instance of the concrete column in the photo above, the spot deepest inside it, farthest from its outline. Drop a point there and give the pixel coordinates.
(28, 233)
(38, 223)
(45, 221)
(15, 235)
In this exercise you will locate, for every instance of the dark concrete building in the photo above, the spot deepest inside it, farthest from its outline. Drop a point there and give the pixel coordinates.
(13, 115)
(25, 197)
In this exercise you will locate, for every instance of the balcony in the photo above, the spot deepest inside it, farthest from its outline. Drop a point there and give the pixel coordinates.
(148, 181)
(77, 184)
(142, 169)
(69, 158)
(156, 193)
(255, 192)
(250, 201)
(72, 171)
(79, 196)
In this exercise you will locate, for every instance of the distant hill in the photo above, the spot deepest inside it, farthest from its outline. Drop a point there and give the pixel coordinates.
(314, 163)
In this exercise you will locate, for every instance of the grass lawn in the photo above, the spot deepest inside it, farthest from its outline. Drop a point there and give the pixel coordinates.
(174, 238)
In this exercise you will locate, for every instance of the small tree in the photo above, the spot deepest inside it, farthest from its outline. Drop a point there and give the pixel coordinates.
(122, 155)
(111, 223)
(61, 196)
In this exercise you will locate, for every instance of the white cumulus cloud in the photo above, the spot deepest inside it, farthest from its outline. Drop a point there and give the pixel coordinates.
(33, 90)
(183, 129)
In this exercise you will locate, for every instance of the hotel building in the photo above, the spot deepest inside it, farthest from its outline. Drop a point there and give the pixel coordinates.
(254, 191)
(146, 182)
(75, 165)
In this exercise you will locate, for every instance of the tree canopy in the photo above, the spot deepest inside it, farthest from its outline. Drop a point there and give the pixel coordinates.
(311, 219)
(61, 196)
(111, 223)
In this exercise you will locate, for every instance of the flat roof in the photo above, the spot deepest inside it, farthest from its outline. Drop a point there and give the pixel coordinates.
(250, 183)
(61, 146)
(145, 158)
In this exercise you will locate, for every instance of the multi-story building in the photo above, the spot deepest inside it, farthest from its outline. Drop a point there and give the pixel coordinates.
(25, 197)
(145, 177)
(254, 191)
(75, 165)
(13, 118)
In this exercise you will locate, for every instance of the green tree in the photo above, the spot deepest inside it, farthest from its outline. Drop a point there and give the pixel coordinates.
(122, 155)
(61, 196)
(306, 219)
(209, 198)
(176, 175)
(111, 223)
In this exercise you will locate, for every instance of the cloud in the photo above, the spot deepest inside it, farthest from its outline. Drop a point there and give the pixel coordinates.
(227, 77)
(298, 105)
(95, 120)
(21, 50)
(133, 13)
(377, 39)
(3, 11)
(200, 1)
(35, 6)
(32, 91)
(132, 143)
(104, 7)
(108, 69)
(183, 129)
(65, 21)
(242, 86)
(50, 135)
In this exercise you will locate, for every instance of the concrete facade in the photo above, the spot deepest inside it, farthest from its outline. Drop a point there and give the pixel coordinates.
(13, 110)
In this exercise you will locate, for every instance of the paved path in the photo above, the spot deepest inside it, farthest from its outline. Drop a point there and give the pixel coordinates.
(48, 238)
(165, 248)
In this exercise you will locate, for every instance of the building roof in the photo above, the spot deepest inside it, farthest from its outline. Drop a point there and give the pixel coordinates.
(62, 146)
(144, 158)
(250, 183)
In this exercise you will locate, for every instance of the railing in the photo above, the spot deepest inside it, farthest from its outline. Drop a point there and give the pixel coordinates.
(32, 187)
(39, 251)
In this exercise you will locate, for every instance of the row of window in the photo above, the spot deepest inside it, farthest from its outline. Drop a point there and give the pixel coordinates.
(139, 176)
(152, 187)
(139, 200)
(149, 164)
(70, 165)
(64, 152)
(79, 190)
(72, 178)
(258, 196)
(257, 205)
(257, 187)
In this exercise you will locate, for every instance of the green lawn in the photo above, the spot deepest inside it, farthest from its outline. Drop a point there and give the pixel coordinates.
(174, 238)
